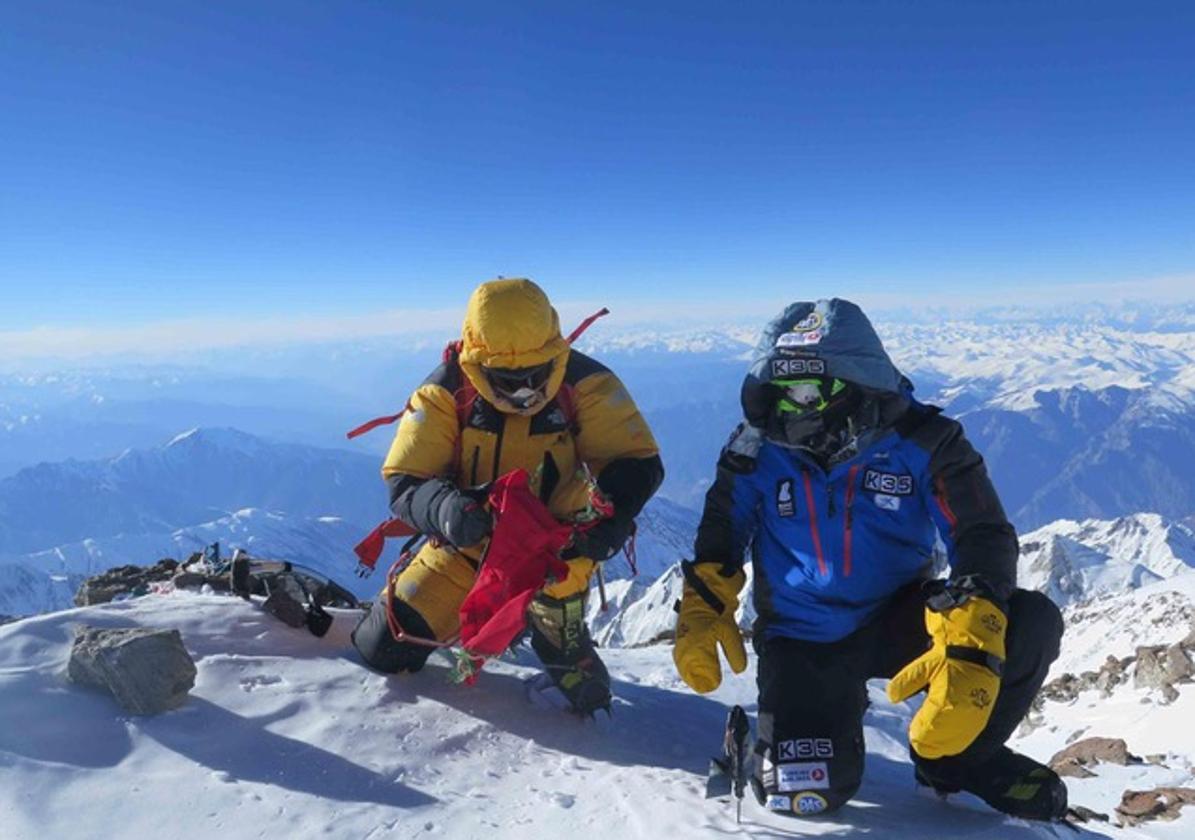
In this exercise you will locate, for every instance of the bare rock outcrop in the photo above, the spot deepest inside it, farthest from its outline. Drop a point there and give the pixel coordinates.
(1077, 759)
(148, 671)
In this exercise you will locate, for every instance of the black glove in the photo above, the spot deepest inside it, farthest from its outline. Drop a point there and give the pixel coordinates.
(462, 518)
(601, 542)
(441, 510)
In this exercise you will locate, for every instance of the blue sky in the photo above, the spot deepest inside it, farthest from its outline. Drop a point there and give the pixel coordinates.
(166, 160)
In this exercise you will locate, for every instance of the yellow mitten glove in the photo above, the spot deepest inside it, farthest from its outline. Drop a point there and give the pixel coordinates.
(705, 620)
(962, 671)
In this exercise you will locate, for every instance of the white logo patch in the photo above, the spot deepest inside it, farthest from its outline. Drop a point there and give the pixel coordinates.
(784, 501)
(807, 775)
(779, 803)
(887, 502)
(799, 339)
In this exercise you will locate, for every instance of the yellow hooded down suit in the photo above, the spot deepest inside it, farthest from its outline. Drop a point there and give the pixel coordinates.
(587, 421)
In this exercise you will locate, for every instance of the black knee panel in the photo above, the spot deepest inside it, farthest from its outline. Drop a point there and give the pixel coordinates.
(377, 645)
(803, 776)
(1036, 622)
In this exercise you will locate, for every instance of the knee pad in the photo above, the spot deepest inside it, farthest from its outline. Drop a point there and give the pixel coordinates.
(377, 645)
(805, 776)
(1033, 616)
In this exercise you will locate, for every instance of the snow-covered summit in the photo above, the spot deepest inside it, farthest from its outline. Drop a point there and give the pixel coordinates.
(225, 438)
(287, 735)
(1074, 561)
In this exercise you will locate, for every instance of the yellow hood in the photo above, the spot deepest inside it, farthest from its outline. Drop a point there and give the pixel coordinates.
(511, 324)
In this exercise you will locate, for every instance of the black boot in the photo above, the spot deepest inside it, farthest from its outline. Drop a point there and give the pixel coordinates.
(561, 640)
(1011, 783)
(586, 683)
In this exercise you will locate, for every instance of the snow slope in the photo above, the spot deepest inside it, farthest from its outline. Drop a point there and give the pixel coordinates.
(289, 736)
(1159, 613)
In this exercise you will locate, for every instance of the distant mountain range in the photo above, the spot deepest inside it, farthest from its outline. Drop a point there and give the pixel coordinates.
(1087, 415)
(1077, 419)
(62, 522)
(1072, 562)
(197, 477)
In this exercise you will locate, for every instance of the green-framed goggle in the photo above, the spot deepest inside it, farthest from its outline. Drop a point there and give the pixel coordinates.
(806, 395)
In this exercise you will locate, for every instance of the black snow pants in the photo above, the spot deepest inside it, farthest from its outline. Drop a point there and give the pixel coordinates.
(812, 696)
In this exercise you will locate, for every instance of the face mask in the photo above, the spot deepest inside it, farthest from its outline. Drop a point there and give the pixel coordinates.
(813, 408)
(522, 388)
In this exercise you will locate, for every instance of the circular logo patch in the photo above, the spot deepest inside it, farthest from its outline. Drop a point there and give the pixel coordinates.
(809, 323)
(809, 803)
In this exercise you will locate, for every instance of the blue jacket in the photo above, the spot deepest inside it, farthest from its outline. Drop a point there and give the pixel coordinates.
(830, 548)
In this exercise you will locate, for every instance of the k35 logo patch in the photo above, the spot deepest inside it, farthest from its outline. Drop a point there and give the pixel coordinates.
(797, 367)
(889, 484)
(805, 748)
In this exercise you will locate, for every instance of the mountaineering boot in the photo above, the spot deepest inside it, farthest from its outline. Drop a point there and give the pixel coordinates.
(586, 683)
(1011, 783)
(561, 640)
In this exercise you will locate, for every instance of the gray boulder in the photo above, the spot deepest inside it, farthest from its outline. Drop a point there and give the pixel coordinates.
(148, 671)
(1177, 664)
(1151, 670)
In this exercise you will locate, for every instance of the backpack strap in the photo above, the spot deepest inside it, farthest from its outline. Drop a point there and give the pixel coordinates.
(917, 415)
(566, 398)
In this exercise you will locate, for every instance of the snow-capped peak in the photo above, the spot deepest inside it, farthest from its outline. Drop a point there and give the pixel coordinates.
(1073, 561)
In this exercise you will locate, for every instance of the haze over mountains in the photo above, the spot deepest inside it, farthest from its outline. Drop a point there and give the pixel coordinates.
(1078, 418)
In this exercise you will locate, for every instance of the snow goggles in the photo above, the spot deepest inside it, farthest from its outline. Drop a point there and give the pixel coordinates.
(521, 387)
(812, 394)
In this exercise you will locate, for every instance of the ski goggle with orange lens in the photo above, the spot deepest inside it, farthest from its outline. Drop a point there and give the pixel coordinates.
(799, 396)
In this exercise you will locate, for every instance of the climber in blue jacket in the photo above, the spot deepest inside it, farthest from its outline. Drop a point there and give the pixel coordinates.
(838, 485)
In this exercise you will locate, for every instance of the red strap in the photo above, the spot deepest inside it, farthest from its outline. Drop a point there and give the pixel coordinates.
(587, 323)
(566, 399)
(370, 549)
(374, 423)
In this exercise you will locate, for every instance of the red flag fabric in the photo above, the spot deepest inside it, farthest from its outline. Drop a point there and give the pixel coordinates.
(522, 556)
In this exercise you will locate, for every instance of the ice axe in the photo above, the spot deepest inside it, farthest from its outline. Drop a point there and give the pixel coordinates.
(728, 774)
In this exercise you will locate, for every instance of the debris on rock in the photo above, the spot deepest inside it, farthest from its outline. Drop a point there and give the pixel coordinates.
(1164, 803)
(128, 581)
(1075, 760)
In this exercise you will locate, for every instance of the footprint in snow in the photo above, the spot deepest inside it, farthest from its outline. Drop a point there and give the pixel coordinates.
(254, 683)
(563, 800)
